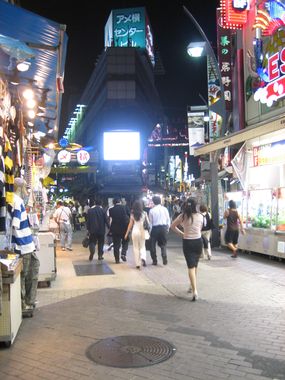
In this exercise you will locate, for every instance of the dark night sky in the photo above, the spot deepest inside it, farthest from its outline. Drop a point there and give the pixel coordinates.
(172, 30)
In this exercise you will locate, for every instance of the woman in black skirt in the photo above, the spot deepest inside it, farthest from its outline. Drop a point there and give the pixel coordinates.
(192, 223)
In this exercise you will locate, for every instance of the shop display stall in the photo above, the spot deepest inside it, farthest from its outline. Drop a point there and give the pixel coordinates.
(11, 317)
(263, 214)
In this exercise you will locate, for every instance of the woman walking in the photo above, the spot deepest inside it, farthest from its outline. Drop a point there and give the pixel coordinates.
(138, 233)
(192, 223)
(234, 222)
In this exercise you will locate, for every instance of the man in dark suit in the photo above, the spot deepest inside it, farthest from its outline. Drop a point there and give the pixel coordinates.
(120, 216)
(96, 222)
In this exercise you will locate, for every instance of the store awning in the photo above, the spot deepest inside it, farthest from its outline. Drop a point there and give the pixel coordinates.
(48, 41)
(241, 136)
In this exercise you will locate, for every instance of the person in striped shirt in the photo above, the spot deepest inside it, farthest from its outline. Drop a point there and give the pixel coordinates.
(23, 244)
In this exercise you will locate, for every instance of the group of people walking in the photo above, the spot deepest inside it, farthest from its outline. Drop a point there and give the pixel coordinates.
(193, 225)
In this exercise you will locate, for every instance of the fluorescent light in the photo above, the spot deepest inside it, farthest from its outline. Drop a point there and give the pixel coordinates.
(23, 66)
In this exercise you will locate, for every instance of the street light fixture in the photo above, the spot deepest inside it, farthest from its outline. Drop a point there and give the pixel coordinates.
(196, 49)
(218, 107)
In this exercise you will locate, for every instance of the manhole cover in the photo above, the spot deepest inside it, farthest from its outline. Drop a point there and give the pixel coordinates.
(130, 351)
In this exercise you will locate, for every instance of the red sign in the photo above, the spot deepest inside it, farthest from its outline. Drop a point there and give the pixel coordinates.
(234, 13)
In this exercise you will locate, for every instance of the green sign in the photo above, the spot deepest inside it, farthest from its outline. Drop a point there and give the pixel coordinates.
(129, 27)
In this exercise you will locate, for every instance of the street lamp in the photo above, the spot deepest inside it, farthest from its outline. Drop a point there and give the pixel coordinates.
(198, 49)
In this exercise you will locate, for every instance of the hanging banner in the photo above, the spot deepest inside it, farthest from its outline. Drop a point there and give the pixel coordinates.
(240, 164)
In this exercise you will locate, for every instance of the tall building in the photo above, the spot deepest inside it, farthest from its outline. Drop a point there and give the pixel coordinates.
(120, 104)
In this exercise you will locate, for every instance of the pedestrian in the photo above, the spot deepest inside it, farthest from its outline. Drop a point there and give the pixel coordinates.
(160, 222)
(119, 215)
(96, 222)
(23, 244)
(192, 223)
(139, 234)
(63, 217)
(206, 232)
(176, 209)
(234, 223)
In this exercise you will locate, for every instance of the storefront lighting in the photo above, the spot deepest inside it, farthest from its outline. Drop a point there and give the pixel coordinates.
(23, 66)
(28, 94)
(31, 103)
(31, 114)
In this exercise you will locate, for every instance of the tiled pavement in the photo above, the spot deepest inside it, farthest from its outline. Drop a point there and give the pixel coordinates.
(236, 330)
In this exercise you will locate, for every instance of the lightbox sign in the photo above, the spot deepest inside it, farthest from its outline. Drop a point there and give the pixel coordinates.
(224, 49)
(275, 88)
(64, 156)
(269, 154)
(269, 52)
(129, 27)
(82, 156)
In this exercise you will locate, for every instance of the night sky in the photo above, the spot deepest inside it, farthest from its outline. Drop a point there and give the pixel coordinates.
(184, 77)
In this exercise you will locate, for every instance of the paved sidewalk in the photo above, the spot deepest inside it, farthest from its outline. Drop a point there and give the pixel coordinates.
(236, 330)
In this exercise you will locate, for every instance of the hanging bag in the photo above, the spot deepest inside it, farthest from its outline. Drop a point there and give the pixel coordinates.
(86, 242)
(146, 225)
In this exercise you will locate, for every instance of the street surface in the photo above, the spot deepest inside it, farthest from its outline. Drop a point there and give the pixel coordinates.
(236, 330)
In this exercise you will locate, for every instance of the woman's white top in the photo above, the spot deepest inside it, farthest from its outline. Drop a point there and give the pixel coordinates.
(192, 230)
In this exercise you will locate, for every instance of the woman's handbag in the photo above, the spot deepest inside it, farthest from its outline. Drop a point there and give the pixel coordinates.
(146, 225)
(86, 242)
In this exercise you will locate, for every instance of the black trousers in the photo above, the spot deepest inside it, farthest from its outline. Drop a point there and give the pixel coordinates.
(118, 241)
(96, 239)
(158, 235)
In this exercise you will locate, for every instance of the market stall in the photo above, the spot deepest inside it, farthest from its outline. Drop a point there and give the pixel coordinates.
(261, 204)
(11, 317)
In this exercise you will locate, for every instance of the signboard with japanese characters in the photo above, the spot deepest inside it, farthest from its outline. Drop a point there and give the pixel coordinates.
(83, 156)
(225, 57)
(130, 27)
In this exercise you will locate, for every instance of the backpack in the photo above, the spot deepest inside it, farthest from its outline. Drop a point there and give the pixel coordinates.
(207, 223)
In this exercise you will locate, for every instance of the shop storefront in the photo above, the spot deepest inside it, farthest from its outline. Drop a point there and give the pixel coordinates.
(261, 169)
(29, 116)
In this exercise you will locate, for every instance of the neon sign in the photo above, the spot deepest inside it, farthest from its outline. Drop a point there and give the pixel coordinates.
(233, 13)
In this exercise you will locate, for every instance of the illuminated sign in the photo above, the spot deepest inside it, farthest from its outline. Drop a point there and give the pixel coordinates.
(64, 156)
(233, 13)
(269, 154)
(130, 27)
(83, 157)
(275, 88)
(270, 17)
(224, 49)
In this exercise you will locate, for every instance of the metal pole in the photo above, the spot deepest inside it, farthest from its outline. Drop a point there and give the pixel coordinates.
(211, 53)
(213, 156)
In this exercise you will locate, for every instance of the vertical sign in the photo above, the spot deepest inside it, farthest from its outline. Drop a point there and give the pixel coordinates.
(224, 37)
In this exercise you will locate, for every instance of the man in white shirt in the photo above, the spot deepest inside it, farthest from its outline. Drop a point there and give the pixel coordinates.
(63, 217)
(160, 222)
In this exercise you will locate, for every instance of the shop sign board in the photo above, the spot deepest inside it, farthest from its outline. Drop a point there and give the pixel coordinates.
(224, 37)
(234, 13)
(83, 157)
(64, 156)
(269, 154)
(130, 27)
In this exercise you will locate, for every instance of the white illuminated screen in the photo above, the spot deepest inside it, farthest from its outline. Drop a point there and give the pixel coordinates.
(121, 146)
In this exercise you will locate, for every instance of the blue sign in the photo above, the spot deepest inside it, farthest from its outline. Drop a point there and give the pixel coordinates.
(63, 142)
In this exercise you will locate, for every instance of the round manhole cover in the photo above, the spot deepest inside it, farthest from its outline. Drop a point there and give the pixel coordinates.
(130, 351)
